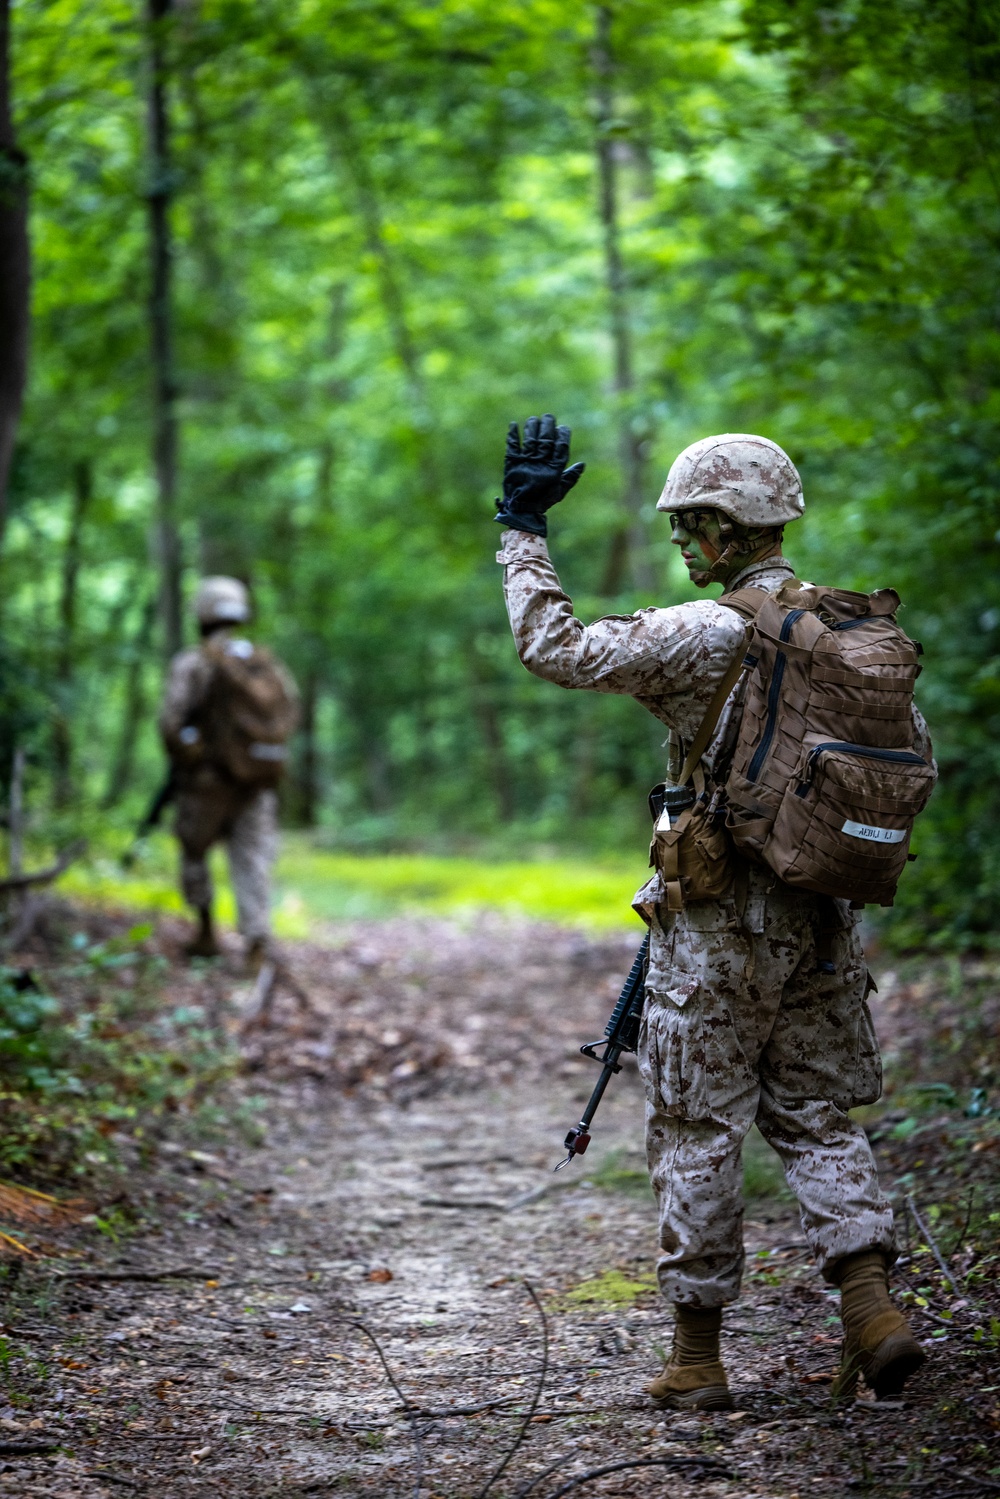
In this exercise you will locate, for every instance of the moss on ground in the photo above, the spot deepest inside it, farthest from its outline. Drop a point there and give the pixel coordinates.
(611, 1288)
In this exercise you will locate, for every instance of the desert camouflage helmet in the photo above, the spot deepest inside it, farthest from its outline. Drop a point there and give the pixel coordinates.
(748, 478)
(221, 601)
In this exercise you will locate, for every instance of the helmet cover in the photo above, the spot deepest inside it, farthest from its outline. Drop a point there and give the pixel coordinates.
(748, 478)
(221, 601)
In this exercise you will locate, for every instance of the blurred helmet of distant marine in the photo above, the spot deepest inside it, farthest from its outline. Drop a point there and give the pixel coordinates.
(748, 478)
(221, 601)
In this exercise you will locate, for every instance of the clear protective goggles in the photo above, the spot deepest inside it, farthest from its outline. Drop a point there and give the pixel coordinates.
(692, 521)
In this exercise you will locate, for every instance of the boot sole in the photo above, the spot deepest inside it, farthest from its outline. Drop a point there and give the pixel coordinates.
(895, 1359)
(886, 1370)
(708, 1398)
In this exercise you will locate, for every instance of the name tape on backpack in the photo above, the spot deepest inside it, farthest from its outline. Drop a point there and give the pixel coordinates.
(258, 751)
(873, 835)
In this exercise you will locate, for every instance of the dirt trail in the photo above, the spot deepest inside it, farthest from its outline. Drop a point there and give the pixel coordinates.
(406, 1188)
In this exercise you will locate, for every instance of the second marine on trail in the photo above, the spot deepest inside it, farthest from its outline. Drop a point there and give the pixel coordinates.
(228, 712)
(756, 985)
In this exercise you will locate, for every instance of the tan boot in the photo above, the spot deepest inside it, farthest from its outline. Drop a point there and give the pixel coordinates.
(203, 944)
(256, 956)
(694, 1379)
(878, 1340)
(692, 1387)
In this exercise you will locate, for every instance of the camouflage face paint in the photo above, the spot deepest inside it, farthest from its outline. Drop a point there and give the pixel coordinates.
(698, 533)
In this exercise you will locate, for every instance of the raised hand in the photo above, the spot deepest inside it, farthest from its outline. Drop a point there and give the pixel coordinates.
(535, 476)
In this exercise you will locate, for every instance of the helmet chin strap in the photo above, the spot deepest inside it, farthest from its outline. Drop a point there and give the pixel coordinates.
(738, 548)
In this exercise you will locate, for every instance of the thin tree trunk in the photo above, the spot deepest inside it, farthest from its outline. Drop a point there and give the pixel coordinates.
(584, 758)
(165, 434)
(628, 550)
(377, 772)
(122, 768)
(15, 819)
(492, 732)
(308, 777)
(484, 688)
(344, 145)
(15, 271)
(373, 230)
(62, 737)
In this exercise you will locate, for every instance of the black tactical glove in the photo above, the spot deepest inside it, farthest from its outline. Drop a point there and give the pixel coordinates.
(535, 476)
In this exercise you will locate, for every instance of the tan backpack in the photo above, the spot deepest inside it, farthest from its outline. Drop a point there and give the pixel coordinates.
(249, 712)
(824, 783)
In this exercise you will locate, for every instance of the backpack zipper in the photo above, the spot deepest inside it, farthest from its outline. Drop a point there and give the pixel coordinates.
(773, 696)
(867, 751)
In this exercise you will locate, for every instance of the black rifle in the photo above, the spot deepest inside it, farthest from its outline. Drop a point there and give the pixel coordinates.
(154, 812)
(620, 1034)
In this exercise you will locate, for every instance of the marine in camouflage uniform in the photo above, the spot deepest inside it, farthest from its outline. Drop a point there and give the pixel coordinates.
(756, 1004)
(211, 807)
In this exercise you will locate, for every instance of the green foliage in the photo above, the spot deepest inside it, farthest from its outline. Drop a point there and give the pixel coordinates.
(25, 1040)
(612, 1175)
(107, 1055)
(314, 884)
(387, 244)
(763, 1177)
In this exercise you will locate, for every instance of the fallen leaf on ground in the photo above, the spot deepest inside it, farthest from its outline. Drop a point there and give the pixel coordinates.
(27, 1206)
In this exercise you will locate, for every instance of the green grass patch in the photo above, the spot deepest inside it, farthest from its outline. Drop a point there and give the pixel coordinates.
(763, 1176)
(611, 1288)
(314, 886)
(613, 1175)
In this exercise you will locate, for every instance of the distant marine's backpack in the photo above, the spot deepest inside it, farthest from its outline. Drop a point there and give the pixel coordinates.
(249, 712)
(826, 781)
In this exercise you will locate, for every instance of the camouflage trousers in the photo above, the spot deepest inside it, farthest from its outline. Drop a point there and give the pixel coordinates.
(209, 812)
(757, 1017)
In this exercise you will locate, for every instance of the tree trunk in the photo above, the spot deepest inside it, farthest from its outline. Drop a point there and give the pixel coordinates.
(15, 271)
(373, 231)
(123, 767)
(308, 768)
(62, 737)
(160, 194)
(628, 551)
(346, 148)
(15, 815)
(485, 691)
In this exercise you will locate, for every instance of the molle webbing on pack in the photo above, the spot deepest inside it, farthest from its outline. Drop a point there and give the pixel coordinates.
(824, 783)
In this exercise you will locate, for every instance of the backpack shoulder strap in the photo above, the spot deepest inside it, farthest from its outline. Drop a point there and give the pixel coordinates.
(748, 601)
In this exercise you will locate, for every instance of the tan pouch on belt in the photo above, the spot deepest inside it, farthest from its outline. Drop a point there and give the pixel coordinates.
(694, 853)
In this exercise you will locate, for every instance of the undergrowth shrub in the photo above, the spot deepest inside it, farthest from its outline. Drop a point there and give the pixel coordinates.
(89, 1050)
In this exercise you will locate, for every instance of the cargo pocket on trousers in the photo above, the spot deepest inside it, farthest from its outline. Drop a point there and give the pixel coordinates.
(868, 1070)
(675, 1038)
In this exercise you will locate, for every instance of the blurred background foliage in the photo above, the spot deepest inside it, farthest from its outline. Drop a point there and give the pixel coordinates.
(398, 225)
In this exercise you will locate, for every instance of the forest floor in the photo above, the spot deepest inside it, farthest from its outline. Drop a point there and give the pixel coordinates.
(388, 1292)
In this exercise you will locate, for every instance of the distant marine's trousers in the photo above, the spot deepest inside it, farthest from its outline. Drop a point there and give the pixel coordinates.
(212, 810)
(756, 1013)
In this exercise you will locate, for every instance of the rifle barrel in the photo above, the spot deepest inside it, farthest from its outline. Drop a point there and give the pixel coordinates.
(622, 1032)
(632, 983)
(608, 1070)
